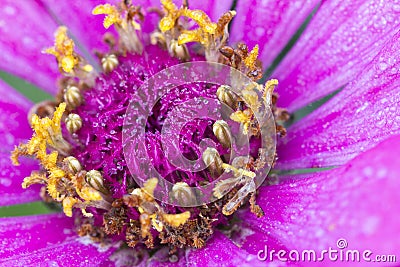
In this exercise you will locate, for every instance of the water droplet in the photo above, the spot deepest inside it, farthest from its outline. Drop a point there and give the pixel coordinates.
(396, 8)
(383, 66)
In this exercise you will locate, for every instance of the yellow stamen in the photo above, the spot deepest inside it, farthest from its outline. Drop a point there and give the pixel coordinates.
(243, 117)
(251, 59)
(48, 132)
(68, 203)
(238, 172)
(269, 89)
(34, 178)
(211, 35)
(251, 99)
(86, 214)
(176, 220)
(63, 50)
(173, 13)
(149, 187)
(122, 17)
(113, 15)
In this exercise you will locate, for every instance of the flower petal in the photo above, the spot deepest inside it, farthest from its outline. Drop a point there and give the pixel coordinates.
(269, 24)
(88, 28)
(220, 251)
(356, 202)
(14, 128)
(49, 240)
(340, 40)
(26, 28)
(364, 113)
(214, 9)
(85, 27)
(161, 258)
(11, 191)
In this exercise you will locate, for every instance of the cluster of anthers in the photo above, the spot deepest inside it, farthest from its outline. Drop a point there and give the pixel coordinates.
(136, 214)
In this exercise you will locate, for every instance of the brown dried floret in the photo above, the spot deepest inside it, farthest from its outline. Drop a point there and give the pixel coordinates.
(133, 233)
(193, 233)
(115, 218)
(95, 233)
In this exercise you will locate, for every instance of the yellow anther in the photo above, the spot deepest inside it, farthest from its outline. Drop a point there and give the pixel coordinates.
(48, 129)
(63, 50)
(68, 203)
(238, 172)
(243, 117)
(268, 89)
(169, 5)
(271, 84)
(86, 214)
(251, 99)
(123, 18)
(52, 188)
(34, 178)
(201, 18)
(192, 36)
(176, 220)
(173, 13)
(113, 15)
(149, 187)
(88, 194)
(166, 24)
(251, 59)
(209, 34)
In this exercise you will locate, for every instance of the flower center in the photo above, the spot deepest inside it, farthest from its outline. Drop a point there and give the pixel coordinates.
(81, 147)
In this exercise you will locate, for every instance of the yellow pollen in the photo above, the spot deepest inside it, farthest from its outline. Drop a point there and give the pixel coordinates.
(123, 18)
(68, 203)
(251, 99)
(63, 50)
(112, 14)
(34, 178)
(176, 220)
(238, 172)
(149, 187)
(48, 132)
(251, 59)
(206, 33)
(243, 117)
(268, 89)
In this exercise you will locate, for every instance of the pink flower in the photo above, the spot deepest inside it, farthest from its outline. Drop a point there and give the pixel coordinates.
(352, 45)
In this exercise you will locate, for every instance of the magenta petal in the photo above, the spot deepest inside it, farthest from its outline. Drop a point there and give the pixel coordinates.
(11, 191)
(270, 24)
(46, 240)
(14, 128)
(340, 40)
(88, 29)
(213, 8)
(161, 259)
(364, 113)
(26, 29)
(220, 251)
(357, 202)
(77, 16)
